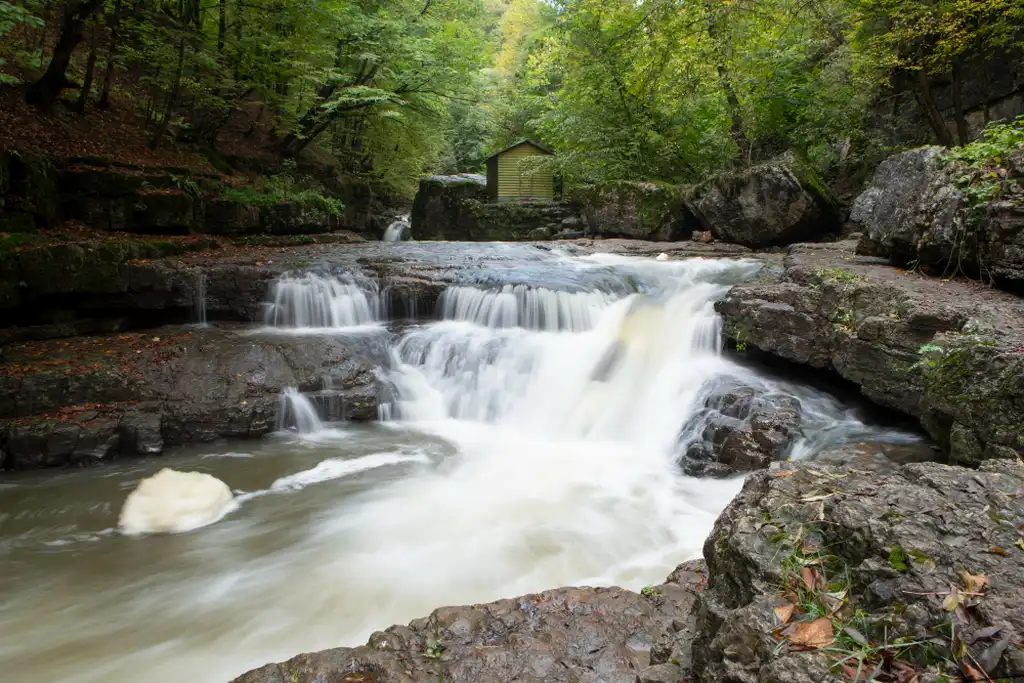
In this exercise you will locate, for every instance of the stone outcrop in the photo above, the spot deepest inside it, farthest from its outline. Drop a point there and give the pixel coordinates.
(744, 429)
(96, 398)
(921, 210)
(570, 635)
(950, 354)
(776, 203)
(638, 210)
(873, 566)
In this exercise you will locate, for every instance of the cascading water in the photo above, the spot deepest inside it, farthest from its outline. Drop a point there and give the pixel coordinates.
(199, 304)
(397, 229)
(534, 442)
(322, 301)
(533, 308)
(297, 412)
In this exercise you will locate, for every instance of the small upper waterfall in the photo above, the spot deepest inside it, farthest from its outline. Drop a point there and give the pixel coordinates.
(311, 300)
(297, 411)
(397, 229)
(533, 308)
(199, 302)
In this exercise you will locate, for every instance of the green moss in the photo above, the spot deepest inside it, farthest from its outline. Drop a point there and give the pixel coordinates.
(837, 275)
(898, 559)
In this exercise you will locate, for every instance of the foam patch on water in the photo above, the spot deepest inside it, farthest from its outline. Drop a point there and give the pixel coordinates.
(336, 468)
(175, 502)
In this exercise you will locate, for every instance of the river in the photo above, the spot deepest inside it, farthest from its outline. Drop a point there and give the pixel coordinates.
(533, 441)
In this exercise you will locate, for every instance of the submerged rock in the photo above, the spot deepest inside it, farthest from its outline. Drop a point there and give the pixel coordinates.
(744, 429)
(174, 502)
(894, 558)
(562, 635)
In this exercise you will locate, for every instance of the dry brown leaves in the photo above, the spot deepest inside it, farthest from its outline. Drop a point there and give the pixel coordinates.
(812, 634)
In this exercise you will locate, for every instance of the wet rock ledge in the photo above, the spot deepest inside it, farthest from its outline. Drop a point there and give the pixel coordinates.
(949, 353)
(89, 399)
(915, 573)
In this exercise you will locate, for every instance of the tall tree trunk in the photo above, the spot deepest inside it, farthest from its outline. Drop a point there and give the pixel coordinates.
(90, 70)
(238, 41)
(725, 82)
(736, 128)
(108, 75)
(923, 94)
(172, 98)
(958, 105)
(44, 92)
(222, 25)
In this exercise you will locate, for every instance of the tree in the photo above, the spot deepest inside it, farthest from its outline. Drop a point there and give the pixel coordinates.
(44, 92)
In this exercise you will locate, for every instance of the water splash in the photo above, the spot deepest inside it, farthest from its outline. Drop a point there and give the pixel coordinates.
(318, 301)
(397, 229)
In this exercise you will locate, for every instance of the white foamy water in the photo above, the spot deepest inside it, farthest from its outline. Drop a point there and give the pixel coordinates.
(534, 443)
(397, 229)
(337, 468)
(295, 411)
(319, 301)
(533, 308)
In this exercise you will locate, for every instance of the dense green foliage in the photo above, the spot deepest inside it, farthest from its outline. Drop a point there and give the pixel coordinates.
(667, 90)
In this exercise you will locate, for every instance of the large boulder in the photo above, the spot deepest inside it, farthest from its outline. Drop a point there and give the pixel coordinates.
(817, 573)
(566, 635)
(947, 353)
(924, 210)
(776, 203)
(440, 212)
(640, 210)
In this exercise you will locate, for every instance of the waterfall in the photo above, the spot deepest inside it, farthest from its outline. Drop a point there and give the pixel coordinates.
(397, 229)
(199, 302)
(532, 308)
(296, 411)
(322, 301)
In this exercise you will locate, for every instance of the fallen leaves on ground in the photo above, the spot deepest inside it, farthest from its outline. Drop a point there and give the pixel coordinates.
(974, 583)
(815, 634)
(784, 612)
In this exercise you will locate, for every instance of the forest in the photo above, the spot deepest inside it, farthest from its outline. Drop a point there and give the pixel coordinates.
(663, 90)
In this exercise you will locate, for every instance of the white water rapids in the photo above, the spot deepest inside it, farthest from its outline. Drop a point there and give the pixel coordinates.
(534, 443)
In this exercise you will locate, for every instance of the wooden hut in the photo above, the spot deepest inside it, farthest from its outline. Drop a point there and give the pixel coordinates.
(513, 173)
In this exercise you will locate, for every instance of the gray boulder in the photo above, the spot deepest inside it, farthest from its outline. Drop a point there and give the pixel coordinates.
(917, 570)
(919, 211)
(775, 203)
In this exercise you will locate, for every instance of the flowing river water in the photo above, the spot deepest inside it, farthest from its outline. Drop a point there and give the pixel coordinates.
(532, 441)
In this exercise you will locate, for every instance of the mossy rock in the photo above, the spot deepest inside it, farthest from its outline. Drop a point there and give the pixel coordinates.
(641, 210)
(30, 183)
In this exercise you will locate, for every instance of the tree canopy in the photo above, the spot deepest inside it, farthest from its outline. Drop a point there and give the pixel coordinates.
(668, 90)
